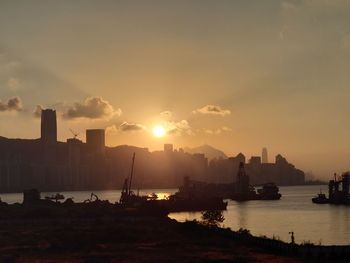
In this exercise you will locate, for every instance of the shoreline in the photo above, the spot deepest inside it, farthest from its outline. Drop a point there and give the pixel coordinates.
(151, 188)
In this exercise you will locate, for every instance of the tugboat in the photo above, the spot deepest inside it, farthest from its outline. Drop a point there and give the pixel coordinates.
(320, 199)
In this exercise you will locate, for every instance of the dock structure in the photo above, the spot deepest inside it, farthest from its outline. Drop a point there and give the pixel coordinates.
(338, 190)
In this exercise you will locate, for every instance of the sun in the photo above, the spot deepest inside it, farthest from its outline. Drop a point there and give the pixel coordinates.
(158, 131)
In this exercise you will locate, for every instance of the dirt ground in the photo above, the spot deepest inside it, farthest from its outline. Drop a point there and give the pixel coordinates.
(122, 240)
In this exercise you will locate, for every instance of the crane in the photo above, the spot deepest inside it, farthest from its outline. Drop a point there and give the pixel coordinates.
(75, 134)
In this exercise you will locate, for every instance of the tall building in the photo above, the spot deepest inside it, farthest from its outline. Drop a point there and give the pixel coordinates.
(73, 179)
(48, 126)
(264, 156)
(255, 160)
(95, 140)
(168, 148)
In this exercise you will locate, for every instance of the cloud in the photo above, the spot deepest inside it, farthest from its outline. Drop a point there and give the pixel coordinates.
(92, 108)
(211, 132)
(217, 131)
(225, 128)
(178, 128)
(166, 114)
(37, 111)
(125, 127)
(12, 104)
(112, 129)
(212, 110)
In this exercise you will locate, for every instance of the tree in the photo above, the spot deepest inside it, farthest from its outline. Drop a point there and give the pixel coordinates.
(212, 218)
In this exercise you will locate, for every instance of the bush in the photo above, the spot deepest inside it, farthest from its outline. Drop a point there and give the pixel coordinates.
(212, 218)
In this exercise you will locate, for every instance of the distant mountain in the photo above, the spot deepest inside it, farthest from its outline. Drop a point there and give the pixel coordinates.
(209, 151)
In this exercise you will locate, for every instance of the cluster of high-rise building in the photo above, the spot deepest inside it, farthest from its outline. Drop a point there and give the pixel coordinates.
(50, 165)
(258, 168)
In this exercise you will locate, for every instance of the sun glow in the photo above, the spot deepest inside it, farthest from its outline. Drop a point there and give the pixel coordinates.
(158, 131)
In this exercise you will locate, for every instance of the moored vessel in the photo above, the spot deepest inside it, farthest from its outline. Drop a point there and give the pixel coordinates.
(244, 191)
(186, 199)
(338, 191)
(320, 199)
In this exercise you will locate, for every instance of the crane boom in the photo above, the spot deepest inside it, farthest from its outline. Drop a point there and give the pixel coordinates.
(132, 171)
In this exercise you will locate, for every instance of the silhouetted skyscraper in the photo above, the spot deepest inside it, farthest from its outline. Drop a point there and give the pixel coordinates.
(48, 126)
(74, 150)
(95, 140)
(168, 148)
(264, 157)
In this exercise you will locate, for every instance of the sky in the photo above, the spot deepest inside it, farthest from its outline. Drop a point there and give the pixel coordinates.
(237, 75)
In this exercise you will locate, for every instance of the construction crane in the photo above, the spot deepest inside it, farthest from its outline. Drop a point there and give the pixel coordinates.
(127, 195)
(75, 134)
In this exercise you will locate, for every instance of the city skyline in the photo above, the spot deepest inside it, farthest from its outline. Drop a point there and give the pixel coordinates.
(237, 76)
(51, 165)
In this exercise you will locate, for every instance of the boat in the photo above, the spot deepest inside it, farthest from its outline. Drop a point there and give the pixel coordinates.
(338, 191)
(269, 191)
(320, 199)
(190, 200)
(185, 200)
(245, 192)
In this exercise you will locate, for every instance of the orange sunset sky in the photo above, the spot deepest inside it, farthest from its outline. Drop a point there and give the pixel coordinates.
(238, 75)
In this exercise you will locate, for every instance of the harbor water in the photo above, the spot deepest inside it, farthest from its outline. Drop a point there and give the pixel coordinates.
(320, 224)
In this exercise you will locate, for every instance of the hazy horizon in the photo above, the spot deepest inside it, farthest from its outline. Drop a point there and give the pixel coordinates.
(237, 75)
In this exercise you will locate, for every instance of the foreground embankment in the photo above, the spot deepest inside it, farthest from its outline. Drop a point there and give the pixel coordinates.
(102, 232)
(124, 239)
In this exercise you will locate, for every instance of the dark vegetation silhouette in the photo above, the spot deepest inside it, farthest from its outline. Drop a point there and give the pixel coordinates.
(212, 218)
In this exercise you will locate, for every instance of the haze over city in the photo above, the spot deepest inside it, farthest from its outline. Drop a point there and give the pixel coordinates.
(236, 75)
